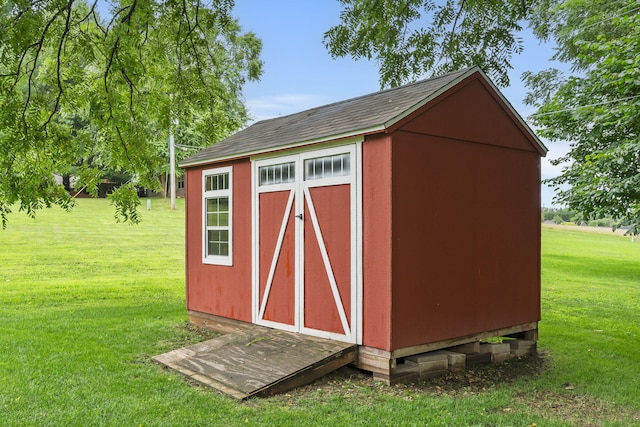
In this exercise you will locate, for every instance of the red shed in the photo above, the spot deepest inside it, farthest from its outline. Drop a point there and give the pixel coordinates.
(404, 221)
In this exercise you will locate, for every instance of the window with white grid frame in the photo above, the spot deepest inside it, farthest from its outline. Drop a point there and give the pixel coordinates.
(217, 207)
(327, 166)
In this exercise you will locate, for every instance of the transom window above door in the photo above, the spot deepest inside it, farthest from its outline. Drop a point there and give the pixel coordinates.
(327, 166)
(281, 173)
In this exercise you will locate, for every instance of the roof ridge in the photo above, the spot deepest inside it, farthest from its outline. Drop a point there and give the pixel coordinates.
(349, 117)
(391, 89)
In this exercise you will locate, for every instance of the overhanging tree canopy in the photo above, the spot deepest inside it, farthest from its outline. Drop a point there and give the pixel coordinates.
(76, 85)
(597, 108)
(411, 38)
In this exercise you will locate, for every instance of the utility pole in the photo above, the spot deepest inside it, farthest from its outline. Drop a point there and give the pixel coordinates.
(172, 156)
(172, 168)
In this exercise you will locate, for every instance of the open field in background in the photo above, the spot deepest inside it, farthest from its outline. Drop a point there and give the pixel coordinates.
(85, 303)
(588, 229)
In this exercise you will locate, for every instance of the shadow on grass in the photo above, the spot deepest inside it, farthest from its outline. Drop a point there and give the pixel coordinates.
(593, 267)
(474, 380)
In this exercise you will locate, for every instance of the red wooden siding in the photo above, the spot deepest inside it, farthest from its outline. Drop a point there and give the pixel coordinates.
(376, 241)
(220, 290)
(465, 223)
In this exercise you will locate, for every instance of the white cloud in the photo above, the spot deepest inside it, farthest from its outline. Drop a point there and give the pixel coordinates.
(556, 150)
(268, 107)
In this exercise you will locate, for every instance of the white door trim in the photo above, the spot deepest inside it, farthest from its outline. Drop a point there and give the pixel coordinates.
(299, 196)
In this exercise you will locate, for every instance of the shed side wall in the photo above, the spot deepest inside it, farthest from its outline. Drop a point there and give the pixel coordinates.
(466, 238)
(376, 207)
(220, 290)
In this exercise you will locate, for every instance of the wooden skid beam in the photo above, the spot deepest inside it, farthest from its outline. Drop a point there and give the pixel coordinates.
(408, 351)
(410, 363)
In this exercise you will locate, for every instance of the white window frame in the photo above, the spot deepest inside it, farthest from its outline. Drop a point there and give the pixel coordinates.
(217, 259)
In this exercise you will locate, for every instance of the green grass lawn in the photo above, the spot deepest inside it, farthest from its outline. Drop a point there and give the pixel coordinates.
(86, 302)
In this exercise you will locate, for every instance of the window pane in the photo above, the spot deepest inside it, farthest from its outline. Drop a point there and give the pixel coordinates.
(218, 242)
(212, 206)
(216, 182)
(308, 169)
(263, 176)
(224, 249)
(346, 161)
(218, 211)
(213, 246)
(277, 174)
(223, 219)
(223, 204)
(336, 164)
(327, 167)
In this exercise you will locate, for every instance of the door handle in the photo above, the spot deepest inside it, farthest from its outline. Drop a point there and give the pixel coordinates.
(299, 216)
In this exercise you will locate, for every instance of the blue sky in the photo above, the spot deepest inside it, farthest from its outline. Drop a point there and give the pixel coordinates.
(299, 73)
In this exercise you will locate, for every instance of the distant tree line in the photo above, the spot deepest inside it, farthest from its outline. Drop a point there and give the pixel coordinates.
(566, 215)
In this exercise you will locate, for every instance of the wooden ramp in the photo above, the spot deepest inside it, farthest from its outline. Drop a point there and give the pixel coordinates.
(259, 361)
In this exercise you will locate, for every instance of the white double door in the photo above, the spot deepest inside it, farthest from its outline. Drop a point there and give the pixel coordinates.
(306, 269)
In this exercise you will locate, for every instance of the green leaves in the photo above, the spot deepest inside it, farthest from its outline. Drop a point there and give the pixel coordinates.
(598, 109)
(99, 93)
(411, 38)
(126, 201)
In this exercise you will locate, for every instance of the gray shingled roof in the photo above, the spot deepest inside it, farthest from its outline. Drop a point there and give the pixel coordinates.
(345, 118)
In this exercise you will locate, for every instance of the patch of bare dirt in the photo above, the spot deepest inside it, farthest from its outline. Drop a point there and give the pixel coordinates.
(565, 404)
(577, 409)
(471, 381)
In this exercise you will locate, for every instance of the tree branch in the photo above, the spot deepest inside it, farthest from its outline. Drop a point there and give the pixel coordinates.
(61, 43)
(109, 63)
(38, 46)
(127, 18)
(32, 5)
(455, 22)
(131, 88)
(90, 13)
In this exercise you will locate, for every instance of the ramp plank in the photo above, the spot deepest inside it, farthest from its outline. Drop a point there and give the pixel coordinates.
(259, 361)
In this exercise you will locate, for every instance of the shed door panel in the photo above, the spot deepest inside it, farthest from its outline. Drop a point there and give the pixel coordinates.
(277, 257)
(327, 259)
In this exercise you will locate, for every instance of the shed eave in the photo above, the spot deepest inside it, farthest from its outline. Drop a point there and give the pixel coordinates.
(298, 144)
